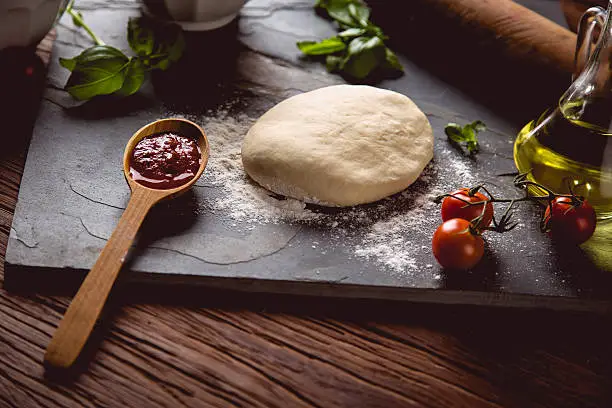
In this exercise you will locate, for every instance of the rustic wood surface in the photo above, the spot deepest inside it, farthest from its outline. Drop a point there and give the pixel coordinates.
(211, 348)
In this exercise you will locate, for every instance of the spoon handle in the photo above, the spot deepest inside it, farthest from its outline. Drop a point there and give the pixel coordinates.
(81, 316)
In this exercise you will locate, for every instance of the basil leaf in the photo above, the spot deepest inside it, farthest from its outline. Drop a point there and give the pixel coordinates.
(333, 63)
(361, 44)
(391, 61)
(366, 50)
(364, 55)
(176, 46)
(140, 37)
(68, 63)
(324, 4)
(98, 70)
(374, 30)
(169, 47)
(359, 13)
(327, 46)
(338, 10)
(341, 15)
(134, 78)
(465, 134)
(477, 126)
(91, 55)
(351, 33)
(472, 146)
(454, 131)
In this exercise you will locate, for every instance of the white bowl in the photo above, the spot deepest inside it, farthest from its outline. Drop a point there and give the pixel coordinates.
(196, 15)
(26, 22)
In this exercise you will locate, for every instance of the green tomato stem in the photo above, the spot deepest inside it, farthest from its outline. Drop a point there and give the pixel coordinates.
(79, 19)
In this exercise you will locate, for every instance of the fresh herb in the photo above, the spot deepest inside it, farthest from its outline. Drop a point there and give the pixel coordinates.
(359, 49)
(465, 135)
(328, 46)
(105, 70)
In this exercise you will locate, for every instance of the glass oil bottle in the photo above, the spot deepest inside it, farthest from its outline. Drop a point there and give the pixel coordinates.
(569, 147)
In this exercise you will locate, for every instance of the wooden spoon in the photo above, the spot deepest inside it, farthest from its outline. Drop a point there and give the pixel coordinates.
(83, 312)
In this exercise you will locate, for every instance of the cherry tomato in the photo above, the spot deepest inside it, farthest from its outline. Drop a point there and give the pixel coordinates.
(454, 208)
(569, 223)
(455, 246)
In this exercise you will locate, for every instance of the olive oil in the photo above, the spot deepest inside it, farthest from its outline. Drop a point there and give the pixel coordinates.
(561, 151)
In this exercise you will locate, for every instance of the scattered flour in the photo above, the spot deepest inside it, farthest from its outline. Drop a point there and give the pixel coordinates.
(393, 241)
(242, 199)
(388, 232)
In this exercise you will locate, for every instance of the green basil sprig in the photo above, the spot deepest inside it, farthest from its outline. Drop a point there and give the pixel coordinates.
(102, 70)
(359, 49)
(105, 70)
(465, 135)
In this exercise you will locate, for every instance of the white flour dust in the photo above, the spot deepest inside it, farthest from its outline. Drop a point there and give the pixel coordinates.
(242, 199)
(393, 241)
(390, 232)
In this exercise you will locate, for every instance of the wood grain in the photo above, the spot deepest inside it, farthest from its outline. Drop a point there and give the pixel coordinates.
(518, 31)
(87, 304)
(573, 9)
(158, 347)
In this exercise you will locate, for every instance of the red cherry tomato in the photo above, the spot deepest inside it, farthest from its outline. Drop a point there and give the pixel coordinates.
(455, 208)
(455, 246)
(569, 223)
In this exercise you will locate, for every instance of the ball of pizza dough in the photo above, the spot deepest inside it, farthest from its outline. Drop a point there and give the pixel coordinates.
(340, 145)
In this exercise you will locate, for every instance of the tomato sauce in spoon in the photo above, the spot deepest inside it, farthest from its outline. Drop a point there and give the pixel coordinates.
(165, 160)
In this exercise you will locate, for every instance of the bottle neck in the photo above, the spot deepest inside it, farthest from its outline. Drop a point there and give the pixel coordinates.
(589, 98)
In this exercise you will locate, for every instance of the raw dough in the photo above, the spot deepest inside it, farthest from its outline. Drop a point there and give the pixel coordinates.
(341, 145)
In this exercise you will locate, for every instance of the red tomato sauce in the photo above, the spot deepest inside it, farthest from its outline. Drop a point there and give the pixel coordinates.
(165, 161)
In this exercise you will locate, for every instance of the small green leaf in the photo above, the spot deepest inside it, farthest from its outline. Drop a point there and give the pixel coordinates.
(352, 33)
(366, 50)
(177, 47)
(134, 78)
(454, 131)
(472, 146)
(361, 44)
(364, 55)
(169, 46)
(391, 61)
(339, 11)
(478, 126)
(333, 62)
(465, 134)
(98, 70)
(327, 46)
(341, 15)
(68, 63)
(92, 55)
(140, 37)
(359, 13)
(374, 30)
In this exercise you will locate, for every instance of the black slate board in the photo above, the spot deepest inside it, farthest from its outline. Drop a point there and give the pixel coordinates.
(73, 191)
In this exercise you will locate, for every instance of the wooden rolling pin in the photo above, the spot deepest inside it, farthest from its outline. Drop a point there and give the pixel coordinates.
(521, 33)
(501, 53)
(514, 30)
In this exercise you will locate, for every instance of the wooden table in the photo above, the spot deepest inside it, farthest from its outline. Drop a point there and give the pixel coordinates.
(213, 348)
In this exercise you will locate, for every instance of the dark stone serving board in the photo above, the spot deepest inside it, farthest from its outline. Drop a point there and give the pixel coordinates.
(73, 190)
